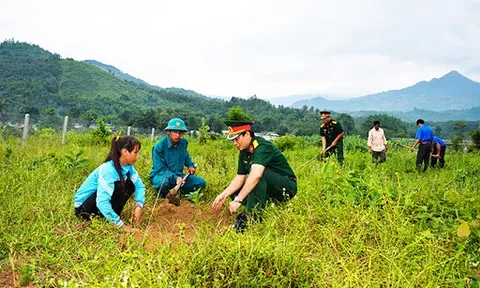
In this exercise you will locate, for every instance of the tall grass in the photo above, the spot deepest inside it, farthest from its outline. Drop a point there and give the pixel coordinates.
(357, 225)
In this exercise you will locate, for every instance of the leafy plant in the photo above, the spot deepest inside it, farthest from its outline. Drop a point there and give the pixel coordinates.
(195, 196)
(74, 161)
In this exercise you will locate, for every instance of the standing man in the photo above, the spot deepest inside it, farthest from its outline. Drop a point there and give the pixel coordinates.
(377, 143)
(332, 136)
(263, 174)
(169, 157)
(439, 148)
(424, 137)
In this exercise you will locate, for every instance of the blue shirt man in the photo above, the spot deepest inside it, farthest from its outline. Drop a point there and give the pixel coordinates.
(424, 138)
(439, 148)
(169, 157)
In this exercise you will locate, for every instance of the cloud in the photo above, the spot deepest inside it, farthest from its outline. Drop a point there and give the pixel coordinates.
(267, 48)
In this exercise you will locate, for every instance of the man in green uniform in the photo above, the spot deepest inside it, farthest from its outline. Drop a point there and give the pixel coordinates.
(332, 136)
(263, 174)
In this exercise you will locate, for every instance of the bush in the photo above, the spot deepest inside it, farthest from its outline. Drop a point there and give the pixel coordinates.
(286, 142)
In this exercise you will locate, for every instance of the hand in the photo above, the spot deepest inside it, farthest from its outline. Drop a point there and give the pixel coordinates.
(234, 206)
(129, 229)
(137, 214)
(218, 202)
(386, 148)
(191, 170)
(334, 143)
(323, 150)
(412, 148)
(180, 181)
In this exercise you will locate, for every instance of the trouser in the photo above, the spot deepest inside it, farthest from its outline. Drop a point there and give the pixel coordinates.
(442, 156)
(272, 186)
(423, 155)
(379, 156)
(338, 149)
(119, 198)
(163, 184)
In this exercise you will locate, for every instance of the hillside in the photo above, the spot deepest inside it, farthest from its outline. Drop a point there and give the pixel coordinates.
(35, 81)
(452, 91)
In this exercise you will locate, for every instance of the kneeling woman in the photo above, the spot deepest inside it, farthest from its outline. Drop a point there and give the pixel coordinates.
(107, 188)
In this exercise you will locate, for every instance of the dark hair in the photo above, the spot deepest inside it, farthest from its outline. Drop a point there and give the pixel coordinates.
(420, 121)
(252, 134)
(376, 122)
(118, 143)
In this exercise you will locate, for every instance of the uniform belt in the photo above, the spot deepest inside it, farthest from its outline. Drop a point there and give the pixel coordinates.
(293, 178)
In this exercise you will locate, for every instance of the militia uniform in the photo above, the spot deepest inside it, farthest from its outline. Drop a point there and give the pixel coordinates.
(330, 131)
(278, 182)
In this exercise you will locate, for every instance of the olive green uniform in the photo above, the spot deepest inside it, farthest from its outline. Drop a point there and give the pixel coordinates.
(278, 181)
(331, 130)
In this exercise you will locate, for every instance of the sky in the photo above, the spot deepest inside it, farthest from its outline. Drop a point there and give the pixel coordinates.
(338, 49)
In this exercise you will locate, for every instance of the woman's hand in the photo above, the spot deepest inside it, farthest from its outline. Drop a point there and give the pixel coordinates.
(137, 214)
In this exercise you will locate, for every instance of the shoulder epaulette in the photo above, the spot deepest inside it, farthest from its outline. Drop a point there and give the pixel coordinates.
(323, 124)
(334, 122)
(255, 143)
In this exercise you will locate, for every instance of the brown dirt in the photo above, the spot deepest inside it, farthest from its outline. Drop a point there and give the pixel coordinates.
(174, 224)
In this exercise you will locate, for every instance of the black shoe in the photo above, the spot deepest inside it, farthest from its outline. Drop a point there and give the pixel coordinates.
(241, 223)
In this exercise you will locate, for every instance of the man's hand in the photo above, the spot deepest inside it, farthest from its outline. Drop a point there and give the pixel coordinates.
(334, 143)
(412, 148)
(234, 206)
(218, 202)
(180, 181)
(191, 170)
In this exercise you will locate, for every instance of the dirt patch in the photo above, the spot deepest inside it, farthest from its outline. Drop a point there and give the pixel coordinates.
(8, 279)
(174, 224)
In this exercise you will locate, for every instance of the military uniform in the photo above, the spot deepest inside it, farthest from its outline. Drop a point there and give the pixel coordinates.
(278, 181)
(330, 131)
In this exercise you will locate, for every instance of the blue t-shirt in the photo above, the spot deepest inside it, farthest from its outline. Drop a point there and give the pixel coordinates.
(437, 140)
(424, 133)
(102, 180)
(169, 160)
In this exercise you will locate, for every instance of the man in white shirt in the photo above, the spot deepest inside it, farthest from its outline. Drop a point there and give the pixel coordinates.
(377, 143)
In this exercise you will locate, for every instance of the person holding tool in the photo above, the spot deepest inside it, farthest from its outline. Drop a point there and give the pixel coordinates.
(439, 148)
(169, 157)
(263, 174)
(424, 138)
(332, 136)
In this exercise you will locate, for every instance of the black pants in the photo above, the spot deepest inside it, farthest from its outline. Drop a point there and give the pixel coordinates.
(338, 149)
(423, 155)
(442, 156)
(89, 208)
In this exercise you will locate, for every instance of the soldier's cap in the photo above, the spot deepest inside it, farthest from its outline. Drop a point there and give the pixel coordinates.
(324, 114)
(236, 127)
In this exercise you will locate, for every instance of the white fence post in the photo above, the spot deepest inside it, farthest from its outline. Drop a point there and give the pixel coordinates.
(128, 130)
(65, 124)
(25, 129)
(153, 134)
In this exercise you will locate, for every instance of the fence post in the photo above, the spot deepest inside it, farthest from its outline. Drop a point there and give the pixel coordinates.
(153, 134)
(128, 130)
(25, 129)
(65, 124)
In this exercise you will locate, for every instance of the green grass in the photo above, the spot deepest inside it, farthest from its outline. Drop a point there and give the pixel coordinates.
(351, 226)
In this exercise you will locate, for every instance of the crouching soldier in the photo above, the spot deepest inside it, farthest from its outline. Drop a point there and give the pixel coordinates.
(263, 174)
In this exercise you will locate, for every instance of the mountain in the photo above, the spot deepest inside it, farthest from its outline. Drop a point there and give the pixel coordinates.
(48, 87)
(453, 91)
(290, 100)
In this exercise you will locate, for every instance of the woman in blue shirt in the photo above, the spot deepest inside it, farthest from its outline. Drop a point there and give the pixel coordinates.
(107, 188)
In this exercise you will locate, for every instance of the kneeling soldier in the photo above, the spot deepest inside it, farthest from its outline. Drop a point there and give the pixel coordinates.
(263, 174)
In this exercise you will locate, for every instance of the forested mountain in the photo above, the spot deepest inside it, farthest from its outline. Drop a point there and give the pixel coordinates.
(48, 87)
(453, 91)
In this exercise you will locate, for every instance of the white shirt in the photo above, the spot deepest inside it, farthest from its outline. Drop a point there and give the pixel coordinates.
(376, 139)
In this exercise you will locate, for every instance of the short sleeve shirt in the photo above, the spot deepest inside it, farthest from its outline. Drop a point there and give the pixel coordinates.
(263, 152)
